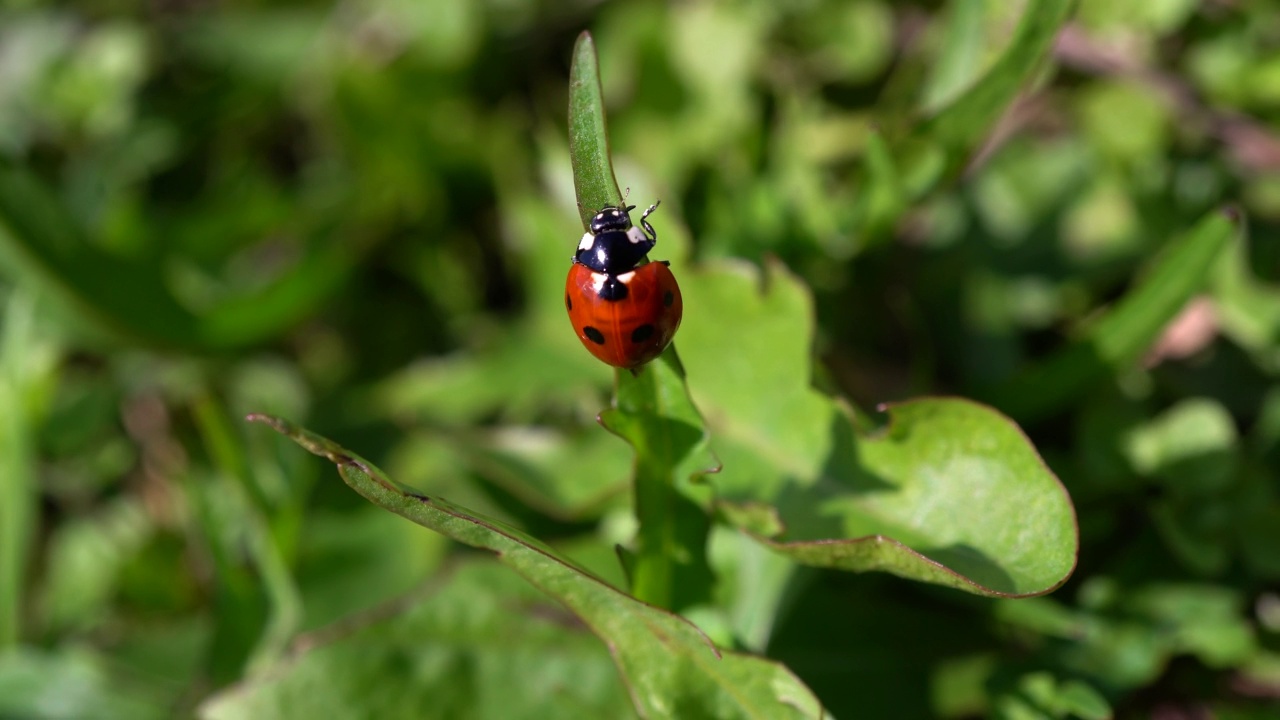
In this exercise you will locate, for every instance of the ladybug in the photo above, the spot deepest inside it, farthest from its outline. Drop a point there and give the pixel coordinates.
(624, 310)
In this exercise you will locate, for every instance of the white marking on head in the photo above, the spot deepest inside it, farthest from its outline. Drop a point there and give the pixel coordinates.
(636, 236)
(587, 240)
(597, 281)
(627, 277)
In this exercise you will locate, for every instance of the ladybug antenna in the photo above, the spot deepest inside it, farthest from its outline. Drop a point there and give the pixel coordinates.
(644, 222)
(652, 207)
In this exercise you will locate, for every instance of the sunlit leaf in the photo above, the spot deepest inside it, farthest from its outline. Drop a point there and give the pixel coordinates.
(670, 667)
(949, 492)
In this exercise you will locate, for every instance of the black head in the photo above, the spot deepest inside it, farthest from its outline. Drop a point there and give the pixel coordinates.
(612, 218)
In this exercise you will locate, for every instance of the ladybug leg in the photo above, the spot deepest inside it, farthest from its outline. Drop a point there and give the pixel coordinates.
(644, 222)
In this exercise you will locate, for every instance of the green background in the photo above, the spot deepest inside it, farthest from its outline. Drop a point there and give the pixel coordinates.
(359, 216)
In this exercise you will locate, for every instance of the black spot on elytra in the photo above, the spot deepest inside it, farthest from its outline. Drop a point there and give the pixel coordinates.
(593, 335)
(568, 303)
(642, 333)
(668, 297)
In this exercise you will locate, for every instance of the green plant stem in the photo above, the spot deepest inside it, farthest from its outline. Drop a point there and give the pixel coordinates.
(653, 570)
(654, 414)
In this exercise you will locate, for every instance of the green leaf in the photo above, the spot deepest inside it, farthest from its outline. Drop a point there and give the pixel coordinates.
(672, 670)
(39, 239)
(593, 178)
(950, 492)
(258, 543)
(1041, 695)
(961, 126)
(85, 561)
(1191, 447)
(483, 645)
(944, 142)
(1120, 337)
(71, 683)
(882, 201)
(1247, 309)
(964, 43)
(28, 371)
(566, 476)
(1126, 634)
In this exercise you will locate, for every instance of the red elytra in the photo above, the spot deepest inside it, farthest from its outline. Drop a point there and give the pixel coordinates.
(626, 331)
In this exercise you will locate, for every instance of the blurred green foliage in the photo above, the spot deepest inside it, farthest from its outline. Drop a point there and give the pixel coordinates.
(359, 216)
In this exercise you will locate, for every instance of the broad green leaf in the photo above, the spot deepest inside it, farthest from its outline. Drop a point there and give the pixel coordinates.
(1118, 339)
(342, 564)
(670, 667)
(72, 683)
(85, 561)
(1191, 448)
(949, 492)
(484, 644)
(566, 476)
(38, 239)
(1248, 310)
(593, 178)
(1148, 120)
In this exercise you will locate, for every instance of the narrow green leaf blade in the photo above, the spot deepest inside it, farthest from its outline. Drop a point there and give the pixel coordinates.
(671, 668)
(960, 57)
(956, 131)
(593, 178)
